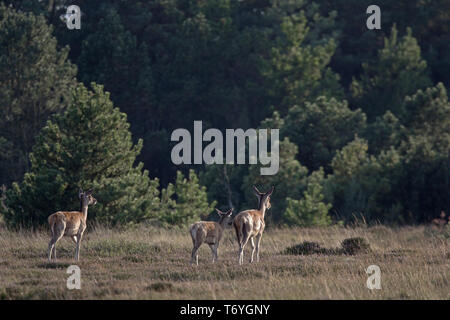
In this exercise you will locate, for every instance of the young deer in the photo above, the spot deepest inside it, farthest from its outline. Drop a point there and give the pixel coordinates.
(250, 224)
(210, 233)
(70, 223)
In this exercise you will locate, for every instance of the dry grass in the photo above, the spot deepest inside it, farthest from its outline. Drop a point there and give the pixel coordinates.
(149, 263)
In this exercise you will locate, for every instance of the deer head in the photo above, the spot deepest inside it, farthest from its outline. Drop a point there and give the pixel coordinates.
(225, 217)
(86, 198)
(263, 197)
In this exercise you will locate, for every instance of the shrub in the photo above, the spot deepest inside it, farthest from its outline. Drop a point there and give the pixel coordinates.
(305, 248)
(355, 245)
(184, 202)
(311, 209)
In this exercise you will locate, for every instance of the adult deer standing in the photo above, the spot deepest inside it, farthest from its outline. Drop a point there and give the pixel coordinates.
(250, 224)
(70, 223)
(209, 232)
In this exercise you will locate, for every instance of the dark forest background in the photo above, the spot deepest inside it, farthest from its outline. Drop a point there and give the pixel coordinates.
(364, 115)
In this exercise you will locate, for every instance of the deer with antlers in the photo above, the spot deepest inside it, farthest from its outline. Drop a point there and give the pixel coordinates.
(209, 232)
(249, 224)
(70, 223)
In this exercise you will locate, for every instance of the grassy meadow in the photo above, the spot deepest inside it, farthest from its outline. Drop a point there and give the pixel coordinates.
(153, 263)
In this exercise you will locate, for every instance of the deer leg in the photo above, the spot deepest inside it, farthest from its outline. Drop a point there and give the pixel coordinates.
(54, 240)
(58, 234)
(75, 240)
(258, 240)
(253, 249)
(50, 248)
(211, 246)
(194, 255)
(51, 244)
(77, 250)
(241, 248)
(216, 248)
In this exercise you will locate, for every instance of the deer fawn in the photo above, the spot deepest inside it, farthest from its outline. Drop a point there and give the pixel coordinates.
(70, 223)
(210, 233)
(249, 224)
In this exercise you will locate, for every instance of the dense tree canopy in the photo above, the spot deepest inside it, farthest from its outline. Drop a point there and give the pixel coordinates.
(363, 114)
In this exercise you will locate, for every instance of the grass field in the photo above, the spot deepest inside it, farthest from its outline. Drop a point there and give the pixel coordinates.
(149, 263)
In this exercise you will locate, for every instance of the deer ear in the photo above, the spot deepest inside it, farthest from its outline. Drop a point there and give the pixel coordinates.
(89, 191)
(218, 212)
(230, 212)
(80, 193)
(256, 191)
(269, 193)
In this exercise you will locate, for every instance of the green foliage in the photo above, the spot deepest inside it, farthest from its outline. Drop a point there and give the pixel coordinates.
(298, 70)
(428, 20)
(364, 185)
(383, 133)
(398, 71)
(190, 203)
(32, 85)
(426, 152)
(320, 128)
(310, 210)
(230, 64)
(87, 146)
(348, 160)
(111, 55)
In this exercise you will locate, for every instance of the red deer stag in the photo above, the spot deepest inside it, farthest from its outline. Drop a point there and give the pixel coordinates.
(70, 223)
(250, 224)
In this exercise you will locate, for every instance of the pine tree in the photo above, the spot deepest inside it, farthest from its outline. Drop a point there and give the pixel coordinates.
(364, 186)
(321, 127)
(184, 202)
(88, 146)
(426, 152)
(298, 69)
(398, 71)
(35, 78)
(311, 209)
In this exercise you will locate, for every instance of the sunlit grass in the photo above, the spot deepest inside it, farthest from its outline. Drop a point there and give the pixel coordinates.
(153, 263)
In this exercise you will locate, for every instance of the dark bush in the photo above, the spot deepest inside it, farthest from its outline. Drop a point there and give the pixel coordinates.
(355, 245)
(304, 248)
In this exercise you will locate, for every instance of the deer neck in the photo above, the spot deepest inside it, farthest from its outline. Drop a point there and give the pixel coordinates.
(262, 208)
(222, 225)
(84, 209)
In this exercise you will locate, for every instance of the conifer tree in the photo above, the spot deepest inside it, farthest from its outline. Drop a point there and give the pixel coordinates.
(311, 209)
(88, 146)
(35, 78)
(184, 202)
(398, 71)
